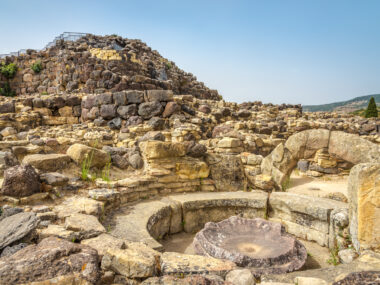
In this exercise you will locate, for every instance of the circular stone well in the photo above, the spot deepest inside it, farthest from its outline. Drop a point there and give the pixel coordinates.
(263, 246)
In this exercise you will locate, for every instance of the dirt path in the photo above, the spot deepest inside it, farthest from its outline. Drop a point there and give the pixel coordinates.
(318, 187)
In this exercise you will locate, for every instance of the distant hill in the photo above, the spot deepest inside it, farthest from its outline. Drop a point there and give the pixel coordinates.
(344, 106)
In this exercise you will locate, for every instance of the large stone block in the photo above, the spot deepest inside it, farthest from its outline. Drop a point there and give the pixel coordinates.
(47, 162)
(353, 148)
(227, 171)
(159, 149)
(192, 169)
(159, 95)
(80, 152)
(136, 261)
(364, 211)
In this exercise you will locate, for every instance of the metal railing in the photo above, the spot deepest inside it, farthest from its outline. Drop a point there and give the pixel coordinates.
(66, 36)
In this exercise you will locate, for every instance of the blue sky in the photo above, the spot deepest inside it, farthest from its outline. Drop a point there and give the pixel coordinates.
(293, 51)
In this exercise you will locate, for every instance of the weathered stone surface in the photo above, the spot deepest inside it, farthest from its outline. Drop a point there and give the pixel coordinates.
(8, 107)
(150, 109)
(7, 211)
(16, 227)
(104, 242)
(81, 205)
(80, 152)
(192, 169)
(51, 258)
(347, 255)
(135, 160)
(47, 162)
(229, 143)
(170, 109)
(9, 250)
(177, 263)
(87, 226)
(145, 222)
(353, 148)
(158, 149)
(262, 246)
(128, 111)
(364, 277)
(200, 208)
(72, 279)
(104, 194)
(304, 216)
(187, 280)
(368, 261)
(137, 260)
(241, 277)
(364, 210)
(108, 111)
(159, 95)
(54, 178)
(20, 181)
(227, 171)
(58, 231)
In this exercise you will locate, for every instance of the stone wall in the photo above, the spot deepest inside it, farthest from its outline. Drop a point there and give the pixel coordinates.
(364, 201)
(97, 64)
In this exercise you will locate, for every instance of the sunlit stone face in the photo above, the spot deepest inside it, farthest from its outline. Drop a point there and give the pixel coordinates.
(256, 243)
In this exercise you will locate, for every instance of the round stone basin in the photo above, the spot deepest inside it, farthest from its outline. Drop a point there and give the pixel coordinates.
(263, 246)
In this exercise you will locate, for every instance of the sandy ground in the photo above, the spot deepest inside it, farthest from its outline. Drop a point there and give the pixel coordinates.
(182, 242)
(319, 186)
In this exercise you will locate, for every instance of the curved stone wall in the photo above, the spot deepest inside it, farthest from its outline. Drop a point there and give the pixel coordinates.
(283, 159)
(306, 217)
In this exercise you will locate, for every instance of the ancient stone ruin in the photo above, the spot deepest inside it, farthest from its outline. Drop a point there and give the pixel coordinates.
(113, 159)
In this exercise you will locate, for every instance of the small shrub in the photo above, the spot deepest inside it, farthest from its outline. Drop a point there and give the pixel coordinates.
(37, 66)
(7, 91)
(168, 65)
(334, 258)
(286, 184)
(106, 172)
(8, 70)
(371, 111)
(44, 93)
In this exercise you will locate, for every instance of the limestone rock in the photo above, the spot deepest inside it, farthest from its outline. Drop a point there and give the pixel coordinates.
(87, 226)
(103, 242)
(178, 263)
(104, 194)
(227, 171)
(20, 181)
(16, 227)
(347, 255)
(241, 277)
(58, 231)
(51, 258)
(135, 261)
(159, 149)
(159, 95)
(54, 178)
(72, 279)
(81, 205)
(79, 152)
(364, 210)
(47, 162)
(229, 143)
(188, 280)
